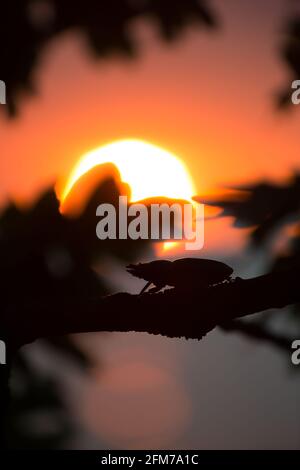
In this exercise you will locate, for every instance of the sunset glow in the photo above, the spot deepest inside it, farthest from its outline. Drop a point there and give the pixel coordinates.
(148, 169)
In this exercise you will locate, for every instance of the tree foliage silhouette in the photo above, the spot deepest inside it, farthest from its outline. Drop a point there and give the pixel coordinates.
(271, 212)
(46, 260)
(26, 251)
(27, 27)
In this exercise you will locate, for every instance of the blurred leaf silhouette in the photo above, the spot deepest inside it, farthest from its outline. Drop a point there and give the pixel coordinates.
(271, 212)
(45, 255)
(55, 262)
(38, 415)
(107, 28)
(263, 207)
(47, 258)
(105, 25)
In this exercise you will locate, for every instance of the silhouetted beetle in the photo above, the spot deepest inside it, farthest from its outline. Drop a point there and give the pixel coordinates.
(185, 273)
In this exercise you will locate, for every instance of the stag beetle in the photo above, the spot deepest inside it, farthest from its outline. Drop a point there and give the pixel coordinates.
(184, 273)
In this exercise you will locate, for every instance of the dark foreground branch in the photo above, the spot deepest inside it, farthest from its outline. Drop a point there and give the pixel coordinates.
(173, 313)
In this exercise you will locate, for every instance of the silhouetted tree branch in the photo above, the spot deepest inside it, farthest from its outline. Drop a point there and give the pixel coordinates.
(271, 212)
(259, 332)
(172, 313)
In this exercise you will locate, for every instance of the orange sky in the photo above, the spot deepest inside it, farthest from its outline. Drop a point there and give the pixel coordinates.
(206, 98)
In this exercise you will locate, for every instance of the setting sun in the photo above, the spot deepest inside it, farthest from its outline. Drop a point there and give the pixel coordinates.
(149, 170)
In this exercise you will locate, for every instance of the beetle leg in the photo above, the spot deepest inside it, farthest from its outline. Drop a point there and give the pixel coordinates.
(145, 287)
(155, 289)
